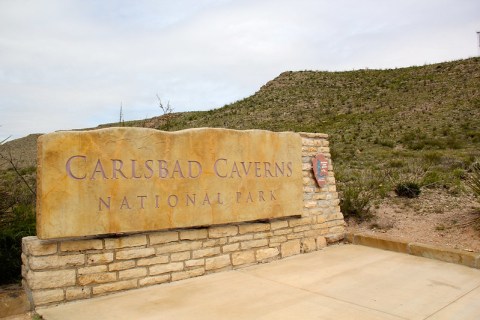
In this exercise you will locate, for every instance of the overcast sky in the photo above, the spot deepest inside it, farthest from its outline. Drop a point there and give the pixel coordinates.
(71, 64)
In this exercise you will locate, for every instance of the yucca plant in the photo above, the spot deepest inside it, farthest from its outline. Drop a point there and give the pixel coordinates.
(473, 179)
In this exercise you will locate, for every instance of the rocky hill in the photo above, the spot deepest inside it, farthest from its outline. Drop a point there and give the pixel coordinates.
(419, 124)
(23, 151)
(416, 127)
(431, 107)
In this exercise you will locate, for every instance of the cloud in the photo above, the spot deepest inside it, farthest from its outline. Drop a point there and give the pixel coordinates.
(70, 64)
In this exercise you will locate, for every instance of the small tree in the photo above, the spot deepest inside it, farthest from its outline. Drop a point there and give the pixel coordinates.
(4, 140)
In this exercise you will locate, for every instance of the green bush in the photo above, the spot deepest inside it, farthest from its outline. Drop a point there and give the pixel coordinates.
(15, 225)
(17, 220)
(407, 189)
(355, 202)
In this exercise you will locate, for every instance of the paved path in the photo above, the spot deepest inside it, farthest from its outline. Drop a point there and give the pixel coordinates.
(339, 282)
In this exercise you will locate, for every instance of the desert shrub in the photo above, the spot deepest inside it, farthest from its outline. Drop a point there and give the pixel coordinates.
(454, 143)
(473, 179)
(452, 163)
(413, 171)
(474, 136)
(17, 219)
(407, 189)
(459, 173)
(355, 202)
(384, 142)
(432, 178)
(413, 140)
(432, 157)
(335, 152)
(396, 163)
(434, 143)
(16, 225)
(416, 145)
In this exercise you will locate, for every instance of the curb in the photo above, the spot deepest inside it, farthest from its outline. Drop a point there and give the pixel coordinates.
(469, 259)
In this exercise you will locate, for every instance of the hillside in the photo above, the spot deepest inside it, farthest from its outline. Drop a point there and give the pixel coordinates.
(417, 125)
(388, 128)
(401, 99)
(431, 107)
(23, 150)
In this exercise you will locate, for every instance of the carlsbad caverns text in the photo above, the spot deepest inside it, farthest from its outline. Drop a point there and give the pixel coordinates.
(157, 172)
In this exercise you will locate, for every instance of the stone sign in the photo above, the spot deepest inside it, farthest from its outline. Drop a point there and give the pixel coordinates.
(121, 180)
(320, 169)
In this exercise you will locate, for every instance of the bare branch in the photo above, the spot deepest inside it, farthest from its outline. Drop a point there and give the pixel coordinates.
(121, 120)
(9, 159)
(166, 110)
(5, 140)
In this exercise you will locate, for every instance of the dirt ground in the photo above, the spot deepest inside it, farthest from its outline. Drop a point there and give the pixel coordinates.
(13, 300)
(435, 217)
(22, 316)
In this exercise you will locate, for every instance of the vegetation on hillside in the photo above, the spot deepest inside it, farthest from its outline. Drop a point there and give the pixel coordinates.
(390, 130)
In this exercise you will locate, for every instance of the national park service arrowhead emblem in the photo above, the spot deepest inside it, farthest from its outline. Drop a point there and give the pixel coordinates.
(320, 169)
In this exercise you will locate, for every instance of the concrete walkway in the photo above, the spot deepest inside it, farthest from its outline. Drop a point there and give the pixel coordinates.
(339, 282)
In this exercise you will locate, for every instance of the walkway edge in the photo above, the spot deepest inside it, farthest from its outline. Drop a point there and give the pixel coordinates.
(466, 258)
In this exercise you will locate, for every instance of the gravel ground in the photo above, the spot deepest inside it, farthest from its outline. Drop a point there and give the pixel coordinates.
(435, 217)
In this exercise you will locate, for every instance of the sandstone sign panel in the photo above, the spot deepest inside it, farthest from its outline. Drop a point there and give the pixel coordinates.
(122, 180)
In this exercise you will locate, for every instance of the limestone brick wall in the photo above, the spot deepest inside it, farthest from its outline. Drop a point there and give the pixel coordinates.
(57, 271)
